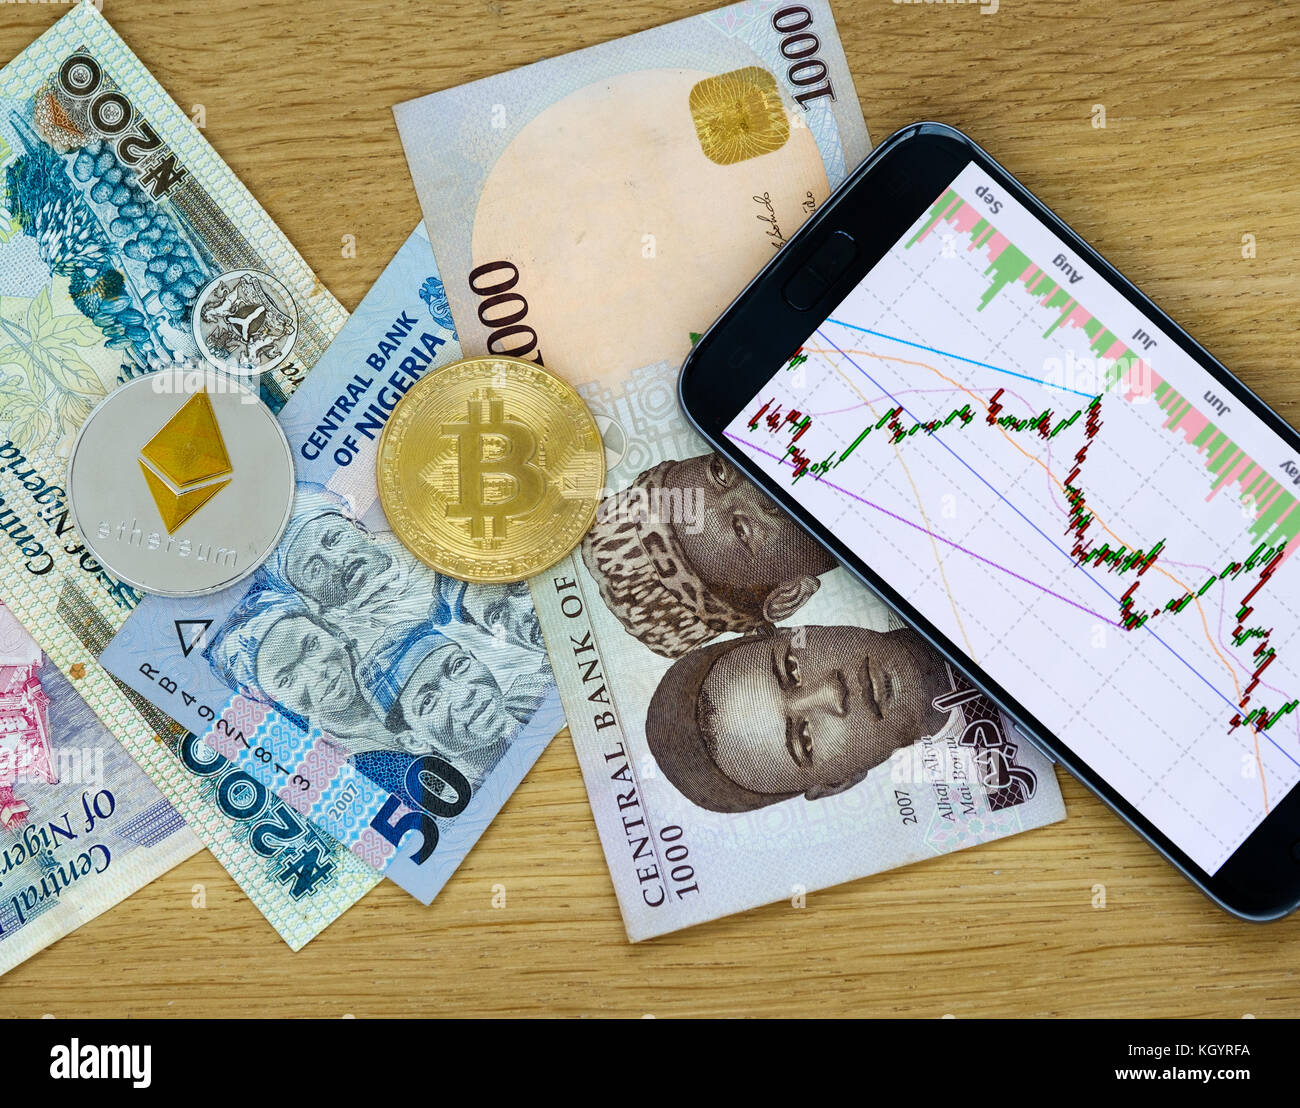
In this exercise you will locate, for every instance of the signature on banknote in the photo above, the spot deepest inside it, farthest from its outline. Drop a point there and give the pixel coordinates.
(744, 712)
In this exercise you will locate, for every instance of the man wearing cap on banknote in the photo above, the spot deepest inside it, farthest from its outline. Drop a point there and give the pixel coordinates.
(436, 697)
(505, 613)
(692, 549)
(271, 648)
(808, 711)
(341, 570)
(330, 558)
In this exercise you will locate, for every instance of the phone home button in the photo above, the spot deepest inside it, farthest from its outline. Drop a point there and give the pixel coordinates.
(815, 276)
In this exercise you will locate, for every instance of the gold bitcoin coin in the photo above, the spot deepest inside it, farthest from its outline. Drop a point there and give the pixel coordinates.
(490, 469)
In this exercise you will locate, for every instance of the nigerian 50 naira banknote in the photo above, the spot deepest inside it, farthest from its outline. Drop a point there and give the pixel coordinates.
(600, 209)
(376, 697)
(126, 244)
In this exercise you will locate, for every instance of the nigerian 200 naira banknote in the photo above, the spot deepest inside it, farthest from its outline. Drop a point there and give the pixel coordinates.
(81, 825)
(126, 245)
(599, 209)
(374, 696)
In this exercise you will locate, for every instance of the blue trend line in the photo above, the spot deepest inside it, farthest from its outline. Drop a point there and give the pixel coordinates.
(954, 357)
(786, 461)
(1052, 542)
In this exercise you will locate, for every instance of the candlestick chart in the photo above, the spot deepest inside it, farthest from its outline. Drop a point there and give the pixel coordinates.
(1080, 514)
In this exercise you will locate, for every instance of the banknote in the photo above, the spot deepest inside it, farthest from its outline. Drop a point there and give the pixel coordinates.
(374, 696)
(126, 245)
(81, 825)
(599, 210)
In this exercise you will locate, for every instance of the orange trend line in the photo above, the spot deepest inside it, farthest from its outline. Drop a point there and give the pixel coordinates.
(1011, 441)
(934, 543)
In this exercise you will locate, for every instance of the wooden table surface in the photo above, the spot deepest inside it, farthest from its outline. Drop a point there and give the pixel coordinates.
(1201, 146)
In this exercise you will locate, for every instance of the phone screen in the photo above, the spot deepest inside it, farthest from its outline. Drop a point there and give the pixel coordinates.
(1069, 497)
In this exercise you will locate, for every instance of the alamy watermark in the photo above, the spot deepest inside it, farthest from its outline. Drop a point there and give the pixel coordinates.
(70, 765)
(680, 507)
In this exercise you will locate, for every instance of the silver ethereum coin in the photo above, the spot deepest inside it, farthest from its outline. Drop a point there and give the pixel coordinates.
(181, 482)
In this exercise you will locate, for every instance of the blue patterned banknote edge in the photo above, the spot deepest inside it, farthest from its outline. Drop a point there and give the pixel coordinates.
(371, 694)
(113, 209)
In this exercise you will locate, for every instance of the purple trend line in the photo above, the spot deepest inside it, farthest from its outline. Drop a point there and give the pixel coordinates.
(926, 531)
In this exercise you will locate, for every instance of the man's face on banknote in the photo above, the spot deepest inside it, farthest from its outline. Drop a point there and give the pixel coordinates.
(504, 611)
(332, 561)
(810, 710)
(452, 704)
(306, 669)
(741, 538)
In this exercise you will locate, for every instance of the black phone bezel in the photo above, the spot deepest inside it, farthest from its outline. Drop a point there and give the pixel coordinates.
(737, 356)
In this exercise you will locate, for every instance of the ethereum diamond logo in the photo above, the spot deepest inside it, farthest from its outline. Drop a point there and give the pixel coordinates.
(185, 464)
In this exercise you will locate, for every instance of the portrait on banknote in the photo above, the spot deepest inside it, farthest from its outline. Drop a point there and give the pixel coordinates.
(797, 711)
(692, 549)
(700, 567)
(342, 630)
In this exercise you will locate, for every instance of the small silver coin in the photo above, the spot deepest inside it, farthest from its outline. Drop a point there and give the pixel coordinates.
(181, 482)
(245, 322)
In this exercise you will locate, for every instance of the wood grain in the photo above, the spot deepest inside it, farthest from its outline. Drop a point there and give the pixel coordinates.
(1202, 145)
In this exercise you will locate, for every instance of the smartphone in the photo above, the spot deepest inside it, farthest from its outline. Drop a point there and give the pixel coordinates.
(1050, 479)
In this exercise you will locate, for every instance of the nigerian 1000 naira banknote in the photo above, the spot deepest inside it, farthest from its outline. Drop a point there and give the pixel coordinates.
(373, 695)
(126, 245)
(599, 209)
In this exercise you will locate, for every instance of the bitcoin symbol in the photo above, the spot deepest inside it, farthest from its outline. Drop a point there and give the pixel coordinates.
(451, 455)
(498, 478)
